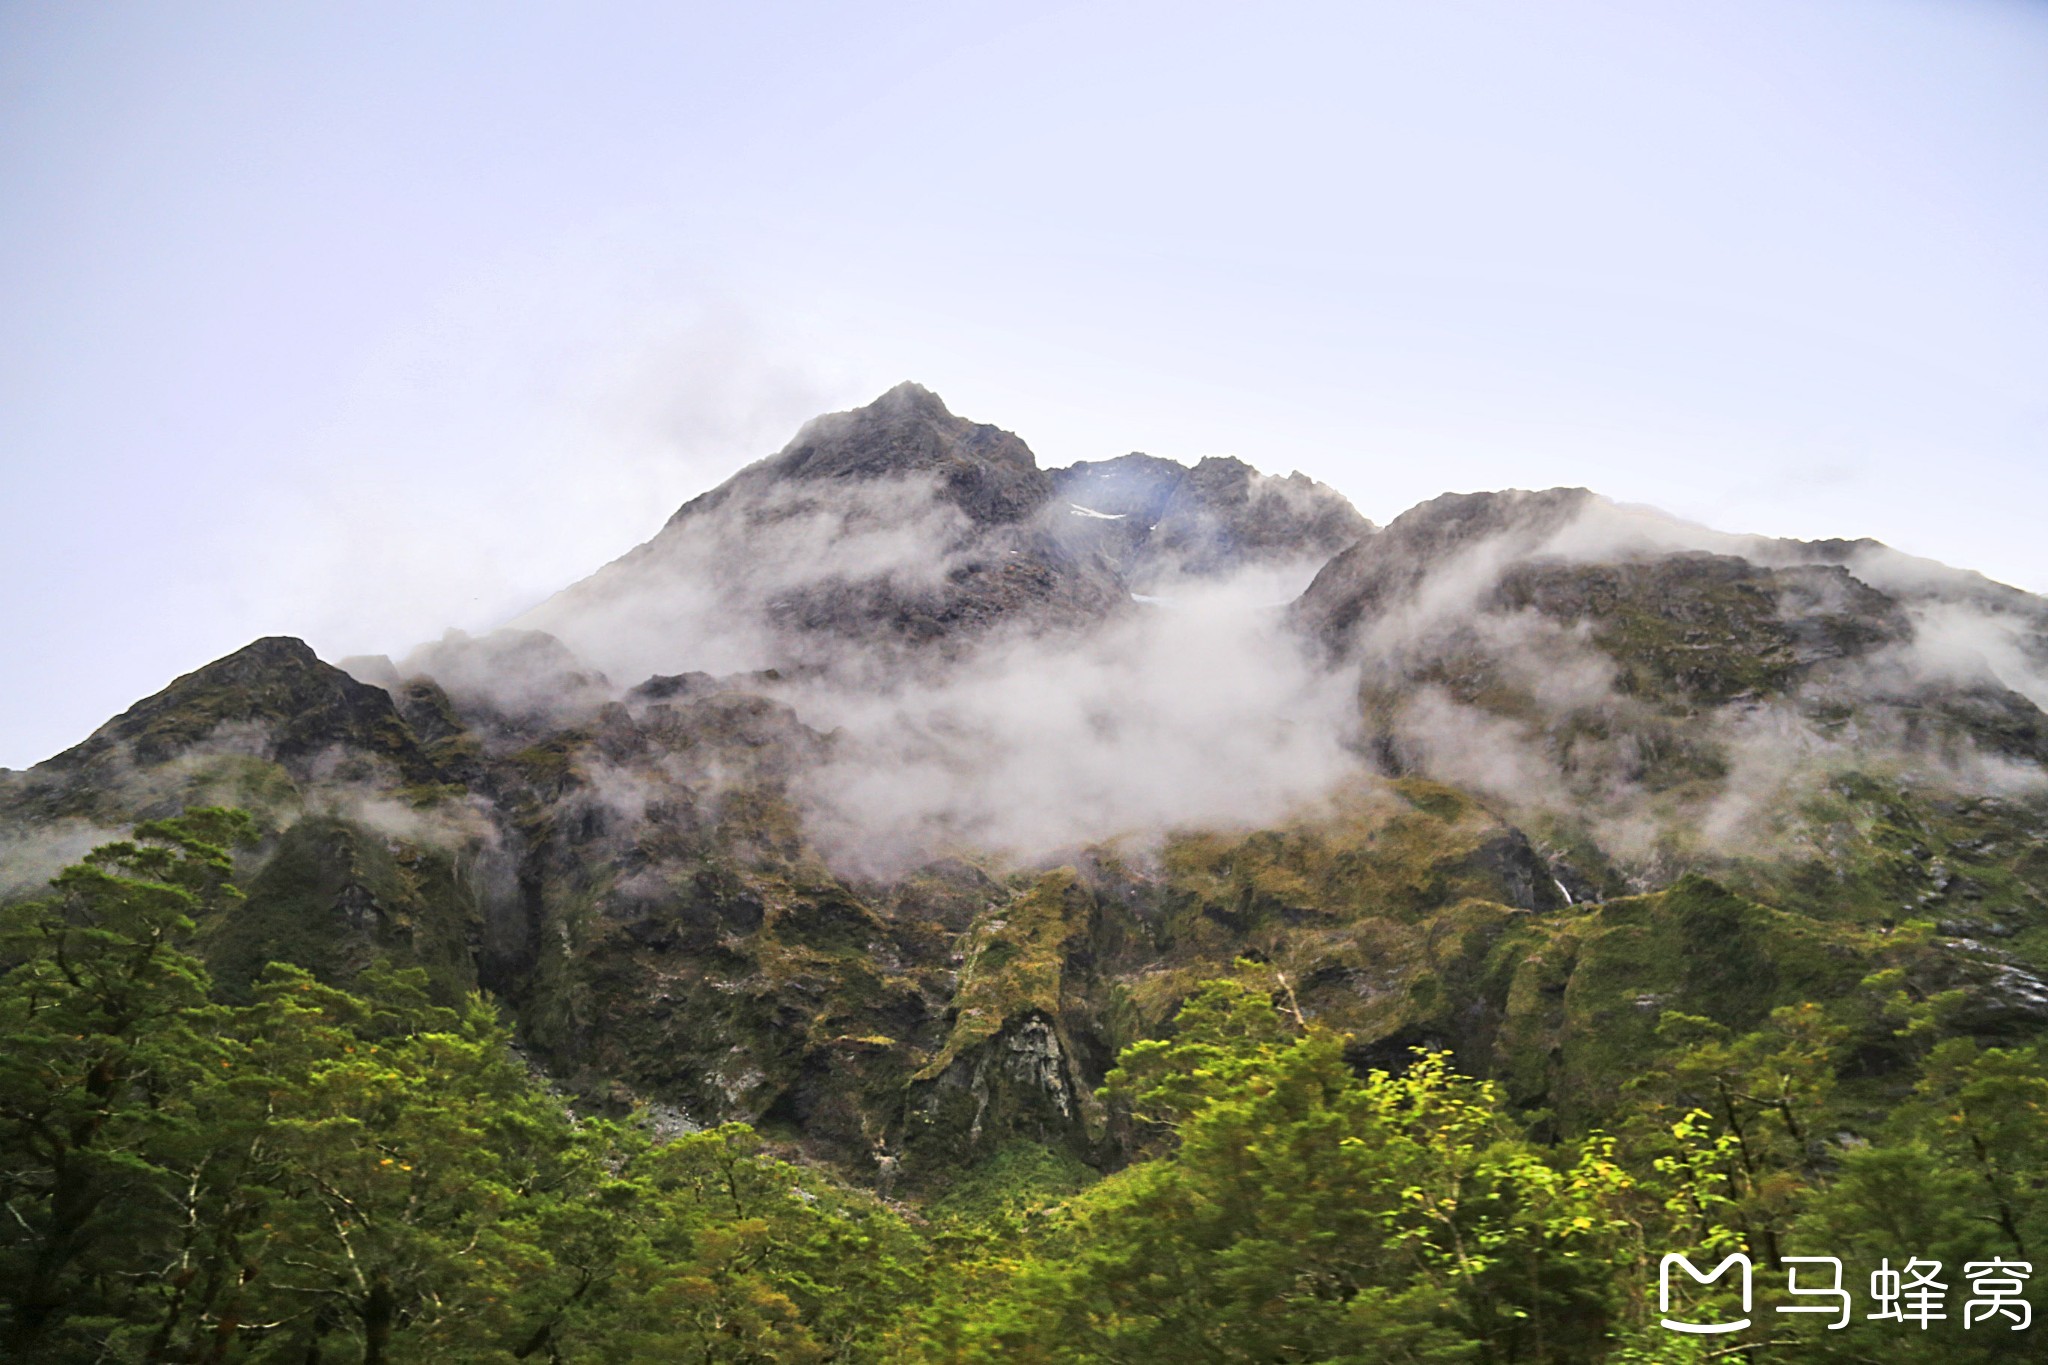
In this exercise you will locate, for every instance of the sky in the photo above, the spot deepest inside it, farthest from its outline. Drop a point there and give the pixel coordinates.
(360, 322)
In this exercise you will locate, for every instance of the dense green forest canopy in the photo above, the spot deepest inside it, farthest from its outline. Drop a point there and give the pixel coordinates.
(309, 1174)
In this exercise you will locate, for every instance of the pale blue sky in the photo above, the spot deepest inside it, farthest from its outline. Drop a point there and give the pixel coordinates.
(355, 322)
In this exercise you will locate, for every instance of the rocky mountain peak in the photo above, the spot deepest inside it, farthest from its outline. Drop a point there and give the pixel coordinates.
(1380, 568)
(1160, 521)
(903, 525)
(274, 700)
(908, 432)
(277, 681)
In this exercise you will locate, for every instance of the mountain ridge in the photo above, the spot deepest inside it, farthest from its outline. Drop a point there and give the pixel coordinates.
(941, 778)
(937, 528)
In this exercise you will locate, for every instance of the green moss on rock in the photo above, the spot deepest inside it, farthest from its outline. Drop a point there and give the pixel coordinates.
(335, 897)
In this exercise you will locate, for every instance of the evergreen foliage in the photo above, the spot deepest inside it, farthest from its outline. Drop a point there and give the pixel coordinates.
(293, 1171)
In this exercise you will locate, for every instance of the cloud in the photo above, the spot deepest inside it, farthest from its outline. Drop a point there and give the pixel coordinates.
(32, 854)
(1199, 709)
(705, 593)
(1195, 706)
(1199, 713)
(514, 436)
(1962, 644)
(1529, 710)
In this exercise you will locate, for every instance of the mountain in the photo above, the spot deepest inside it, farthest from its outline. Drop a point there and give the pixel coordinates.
(1161, 523)
(900, 527)
(897, 784)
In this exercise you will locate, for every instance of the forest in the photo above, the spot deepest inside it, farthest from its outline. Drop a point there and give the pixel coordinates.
(370, 1175)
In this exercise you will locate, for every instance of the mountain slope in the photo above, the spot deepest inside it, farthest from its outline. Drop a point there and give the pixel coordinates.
(897, 784)
(902, 527)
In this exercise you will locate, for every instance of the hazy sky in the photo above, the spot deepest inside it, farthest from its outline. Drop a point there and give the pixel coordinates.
(358, 321)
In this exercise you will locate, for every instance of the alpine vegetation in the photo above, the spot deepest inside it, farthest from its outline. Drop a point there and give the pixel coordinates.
(921, 906)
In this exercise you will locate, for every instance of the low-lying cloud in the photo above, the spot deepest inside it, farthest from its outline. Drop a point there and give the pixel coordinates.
(1201, 711)
(700, 596)
(1197, 706)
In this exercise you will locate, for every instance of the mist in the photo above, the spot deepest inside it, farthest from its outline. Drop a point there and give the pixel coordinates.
(702, 595)
(1198, 712)
(1548, 733)
(1196, 703)
(1190, 705)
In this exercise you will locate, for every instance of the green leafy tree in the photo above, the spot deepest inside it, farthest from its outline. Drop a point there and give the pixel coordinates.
(1767, 1094)
(103, 1022)
(1307, 1213)
(406, 1170)
(1985, 1112)
(740, 1257)
(1222, 1035)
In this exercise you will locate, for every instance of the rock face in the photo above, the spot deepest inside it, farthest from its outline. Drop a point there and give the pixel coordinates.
(1470, 532)
(272, 701)
(1707, 627)
(1160, 523)
(1600, 765)
(986, 472)
(901, 529)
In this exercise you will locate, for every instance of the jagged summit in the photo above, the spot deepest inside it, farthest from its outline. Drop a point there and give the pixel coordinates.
(1161, 521)
(902, 526)
(1376, 569)
(272, 700)
(908, 432)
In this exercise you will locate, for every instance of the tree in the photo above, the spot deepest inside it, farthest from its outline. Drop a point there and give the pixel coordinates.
(739, 1257)
(1308, 1213)
(102, 1021)
(1767, 1093)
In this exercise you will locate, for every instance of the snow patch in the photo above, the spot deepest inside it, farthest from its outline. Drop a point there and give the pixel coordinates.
(1080, 511)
